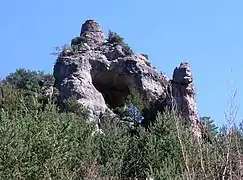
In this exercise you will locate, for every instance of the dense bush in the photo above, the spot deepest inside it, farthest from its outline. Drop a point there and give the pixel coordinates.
(78, 40)
(114, 38)
(24, 88)
(46, 143)
(29, 80)
(145, 55)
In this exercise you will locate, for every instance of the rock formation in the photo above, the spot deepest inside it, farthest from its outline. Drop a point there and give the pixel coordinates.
(184, 94)
(101, 73)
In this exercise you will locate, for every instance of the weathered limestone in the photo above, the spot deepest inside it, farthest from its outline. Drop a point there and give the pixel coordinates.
(102, 73)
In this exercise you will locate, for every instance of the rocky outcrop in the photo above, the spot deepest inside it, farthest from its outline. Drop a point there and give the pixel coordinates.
(101, 73)
(184, 94)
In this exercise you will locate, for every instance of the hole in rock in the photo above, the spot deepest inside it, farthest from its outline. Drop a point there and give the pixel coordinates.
(115, 89)
(113, 86)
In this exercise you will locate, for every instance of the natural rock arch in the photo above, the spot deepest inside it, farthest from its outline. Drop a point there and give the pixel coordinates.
(98, 72)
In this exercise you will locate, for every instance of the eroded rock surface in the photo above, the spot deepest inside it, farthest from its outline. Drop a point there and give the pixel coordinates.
(184, 93)
(101, 74)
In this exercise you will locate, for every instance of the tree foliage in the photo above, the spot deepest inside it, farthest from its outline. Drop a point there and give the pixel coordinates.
(114, 38)
(29, 80)
(42, 142)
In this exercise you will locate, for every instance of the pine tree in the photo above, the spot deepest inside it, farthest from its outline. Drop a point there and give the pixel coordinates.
(209, 129)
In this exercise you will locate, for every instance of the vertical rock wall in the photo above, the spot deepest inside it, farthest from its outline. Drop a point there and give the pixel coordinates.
(184, 94)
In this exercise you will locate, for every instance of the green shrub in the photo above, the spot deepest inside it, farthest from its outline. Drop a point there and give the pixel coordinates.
(71, 105)
(114, 38)
(42, 142)
(145, 55)
(154, 151)
(112, 148)
(78, 40)
(127, 50)
(49, 145)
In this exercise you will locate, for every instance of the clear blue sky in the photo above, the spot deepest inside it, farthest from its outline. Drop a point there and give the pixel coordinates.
(206, 33)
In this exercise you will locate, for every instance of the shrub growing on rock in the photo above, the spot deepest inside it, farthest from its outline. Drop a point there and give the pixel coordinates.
(127, 50)
(114, 38)
(145, 55)
(78, 40)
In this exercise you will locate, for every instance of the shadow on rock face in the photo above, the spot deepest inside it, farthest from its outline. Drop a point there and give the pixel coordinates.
(113, 86)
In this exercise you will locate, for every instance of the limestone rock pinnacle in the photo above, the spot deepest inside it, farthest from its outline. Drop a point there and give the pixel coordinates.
(93, 32)
(184, 94)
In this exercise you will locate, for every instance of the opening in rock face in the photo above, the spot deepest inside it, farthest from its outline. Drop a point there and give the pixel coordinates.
(113, 86)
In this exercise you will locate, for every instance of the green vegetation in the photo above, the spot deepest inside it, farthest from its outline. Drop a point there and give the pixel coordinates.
(114, 38)
(78, 40)
(145, 55)
(41, 141)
